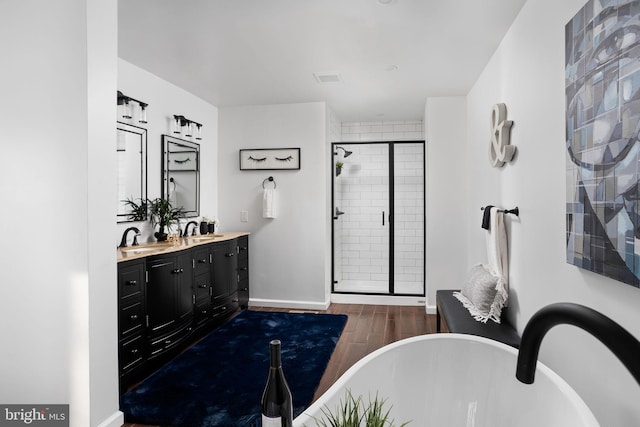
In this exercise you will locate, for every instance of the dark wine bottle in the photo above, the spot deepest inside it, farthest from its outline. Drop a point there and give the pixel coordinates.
(276, 403)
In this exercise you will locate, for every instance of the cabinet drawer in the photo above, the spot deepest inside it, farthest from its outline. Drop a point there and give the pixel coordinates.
(130, 318)
(131, 354)
(243, 248)
(202, 287)
(243, 273)
(131, 280)
(202, 312)
(227, 308)
(202, 261)
(160, 345)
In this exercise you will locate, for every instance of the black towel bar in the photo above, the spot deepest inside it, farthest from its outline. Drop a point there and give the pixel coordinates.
(514, 211)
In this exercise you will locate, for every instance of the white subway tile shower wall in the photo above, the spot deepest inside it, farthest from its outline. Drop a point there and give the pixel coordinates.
(409, 218)
(404, 130)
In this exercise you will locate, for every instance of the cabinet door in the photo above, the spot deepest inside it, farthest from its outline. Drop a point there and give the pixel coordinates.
(184, 284)
(224, 269)
(161, 292)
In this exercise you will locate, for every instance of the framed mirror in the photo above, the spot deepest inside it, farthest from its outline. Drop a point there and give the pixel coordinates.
(132, 171)
(181, 174)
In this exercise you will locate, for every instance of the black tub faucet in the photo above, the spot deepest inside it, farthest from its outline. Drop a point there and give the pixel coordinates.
(186, 229)
(615, 337)
(123, 242)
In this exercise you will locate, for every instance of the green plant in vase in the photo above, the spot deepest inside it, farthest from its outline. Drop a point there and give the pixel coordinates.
(137, 211)
(164, 216)
(339, 166)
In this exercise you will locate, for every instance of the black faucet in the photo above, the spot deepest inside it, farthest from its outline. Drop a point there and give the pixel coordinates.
(123, 242)
(615, 337)
(186, 229)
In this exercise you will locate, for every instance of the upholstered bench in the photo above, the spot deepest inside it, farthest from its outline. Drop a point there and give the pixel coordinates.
(453, 317)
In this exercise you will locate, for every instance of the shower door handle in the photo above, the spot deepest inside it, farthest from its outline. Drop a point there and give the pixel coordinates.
(383, 218)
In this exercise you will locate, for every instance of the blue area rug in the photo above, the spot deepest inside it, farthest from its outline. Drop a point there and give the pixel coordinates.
(219, 381)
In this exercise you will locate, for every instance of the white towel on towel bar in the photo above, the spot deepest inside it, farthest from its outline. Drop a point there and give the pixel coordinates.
(269, 203)
(498, 251)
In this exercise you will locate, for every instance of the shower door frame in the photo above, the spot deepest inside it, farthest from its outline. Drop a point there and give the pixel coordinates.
(390, 217)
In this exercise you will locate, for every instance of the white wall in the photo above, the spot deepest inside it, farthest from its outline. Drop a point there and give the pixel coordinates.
(166, 100)
(527, 73)
(446, 207)
(58, 302)
(288, 254)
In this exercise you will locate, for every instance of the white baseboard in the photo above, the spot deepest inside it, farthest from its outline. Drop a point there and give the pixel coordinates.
(377, 299)
(303, 305)
(431, 309)
(115, 420)
(344, 299)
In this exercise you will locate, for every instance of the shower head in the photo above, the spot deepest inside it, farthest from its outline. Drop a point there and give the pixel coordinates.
(347, 153)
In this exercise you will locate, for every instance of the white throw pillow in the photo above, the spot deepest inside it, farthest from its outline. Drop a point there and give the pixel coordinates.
(480, 294)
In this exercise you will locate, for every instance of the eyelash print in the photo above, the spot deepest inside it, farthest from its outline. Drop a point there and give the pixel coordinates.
(285, 159)
(262, 159)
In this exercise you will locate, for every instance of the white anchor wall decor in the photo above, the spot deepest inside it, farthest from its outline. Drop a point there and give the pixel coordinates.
(500, 151)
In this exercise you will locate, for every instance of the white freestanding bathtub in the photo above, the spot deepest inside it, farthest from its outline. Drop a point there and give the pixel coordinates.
(456, 380)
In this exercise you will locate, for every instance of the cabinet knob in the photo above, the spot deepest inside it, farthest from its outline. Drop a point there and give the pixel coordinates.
(132, 282)
(203, 286)
(245, 289)
(134, 317)
(230, 254)
(167, 342)
(202, 261)
(134, 351)
(244, 268)
(234, 300)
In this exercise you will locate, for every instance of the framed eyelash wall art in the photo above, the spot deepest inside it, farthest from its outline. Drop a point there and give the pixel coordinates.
(270, 159)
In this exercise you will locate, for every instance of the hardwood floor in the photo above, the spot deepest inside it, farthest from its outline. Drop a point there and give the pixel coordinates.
(369, 327)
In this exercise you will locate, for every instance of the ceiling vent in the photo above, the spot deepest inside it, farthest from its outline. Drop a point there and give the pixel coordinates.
(327, 77)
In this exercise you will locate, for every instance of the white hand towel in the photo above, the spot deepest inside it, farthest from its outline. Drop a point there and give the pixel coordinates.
(498, 252)
(269, 203)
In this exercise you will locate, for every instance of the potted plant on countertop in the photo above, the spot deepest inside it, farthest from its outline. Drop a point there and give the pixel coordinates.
(163, 215)
(137, 211)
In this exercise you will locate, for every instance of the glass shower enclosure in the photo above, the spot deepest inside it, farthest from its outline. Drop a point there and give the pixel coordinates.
(378, 208)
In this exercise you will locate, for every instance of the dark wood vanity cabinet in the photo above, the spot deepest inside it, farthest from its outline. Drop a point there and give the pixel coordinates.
(202, 285)
(131, 316)
(169, 300)
(166, 301)
(225, 281)
(243, 271)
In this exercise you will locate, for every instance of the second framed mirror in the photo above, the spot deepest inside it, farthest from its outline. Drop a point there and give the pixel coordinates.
(181, 174)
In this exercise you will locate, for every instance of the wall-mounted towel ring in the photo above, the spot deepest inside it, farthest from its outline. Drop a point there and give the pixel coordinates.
(514, 211)
(269, 179)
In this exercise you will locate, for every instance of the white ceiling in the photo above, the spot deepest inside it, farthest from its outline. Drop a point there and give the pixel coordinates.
(390, 58)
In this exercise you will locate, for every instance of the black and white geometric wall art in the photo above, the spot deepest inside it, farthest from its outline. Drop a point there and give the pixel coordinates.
(602, 87)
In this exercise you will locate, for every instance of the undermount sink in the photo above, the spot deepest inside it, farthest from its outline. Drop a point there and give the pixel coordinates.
(205, 237)
(141, 249)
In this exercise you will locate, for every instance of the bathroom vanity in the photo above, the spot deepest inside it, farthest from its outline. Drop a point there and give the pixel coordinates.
(172, 293)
